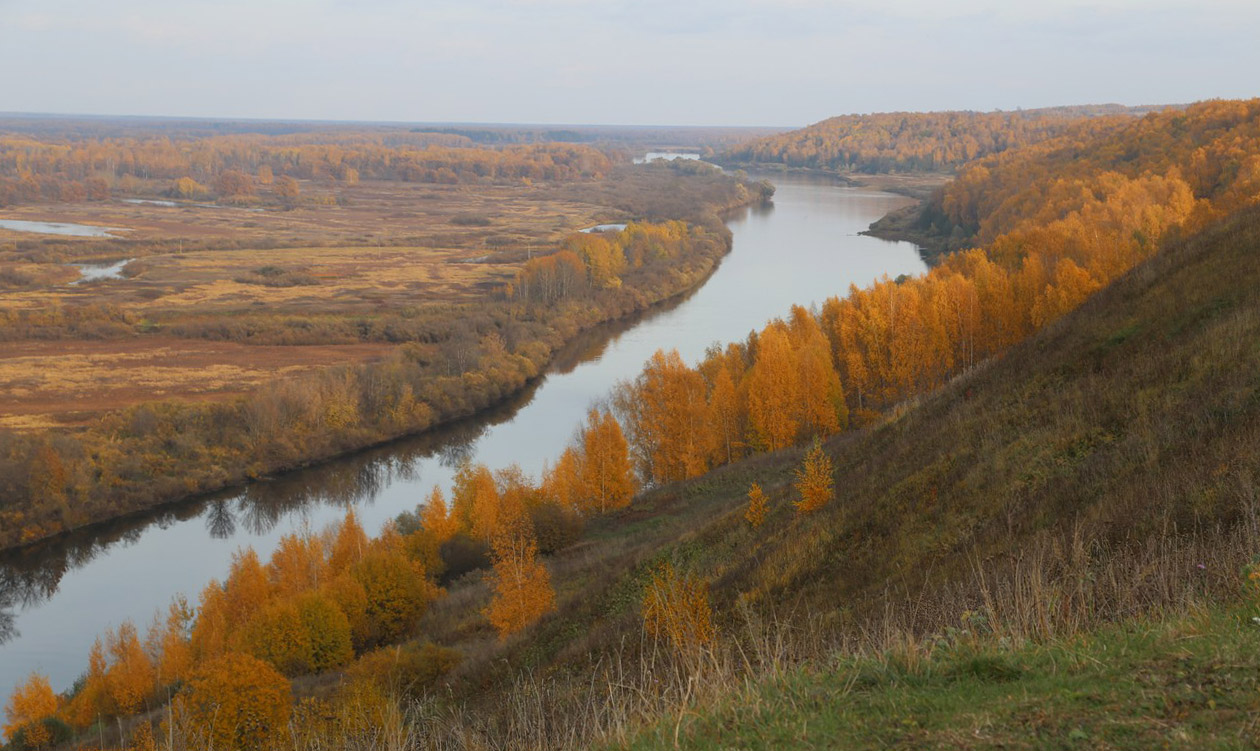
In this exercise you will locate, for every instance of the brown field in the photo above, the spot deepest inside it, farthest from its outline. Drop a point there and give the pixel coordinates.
(370, 213)
(47, 384)
(377, 247)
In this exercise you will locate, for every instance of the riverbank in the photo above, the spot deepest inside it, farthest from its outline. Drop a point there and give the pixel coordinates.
(126, 462)
(802, 247)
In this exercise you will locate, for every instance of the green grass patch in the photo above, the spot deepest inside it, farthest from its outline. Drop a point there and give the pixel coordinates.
(1186, 683)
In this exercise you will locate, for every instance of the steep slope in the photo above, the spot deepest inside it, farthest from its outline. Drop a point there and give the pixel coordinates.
(1105, 469)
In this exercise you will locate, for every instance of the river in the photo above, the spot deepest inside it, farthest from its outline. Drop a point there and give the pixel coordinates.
(56, 598)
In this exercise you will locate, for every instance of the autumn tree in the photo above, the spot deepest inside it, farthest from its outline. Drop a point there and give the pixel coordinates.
(560, 481)
(475, 500)
(31, 702)
(276, 636)
(815, 483)
(186, 187)
(821, 408)
(170, 641)
(327, 632)
(758, 506)
(774, 391)
(298, 564)
(287, 190)
(131, 678)
(91, 703)
(728, 408)
(236, 701)
(48, 478)
(606, 479)
(522, 585)
(664, 410)
(436, 520)
(396, 594)
(234, 184)
(349, 544)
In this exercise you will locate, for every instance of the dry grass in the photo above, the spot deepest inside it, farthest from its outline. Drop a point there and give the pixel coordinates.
(44, 385)
(392, 246)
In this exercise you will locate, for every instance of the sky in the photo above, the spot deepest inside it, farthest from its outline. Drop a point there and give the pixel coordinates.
(633, 62)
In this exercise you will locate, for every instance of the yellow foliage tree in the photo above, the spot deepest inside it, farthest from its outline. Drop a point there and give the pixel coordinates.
(131, 678)
(475, 500)
(297, 565)
(522, 585)
(758, 506)
(171, 643)
(605, 476)
(814, 481)
(436, 520)
(349, 545)
(396, 594)
(31, 702)
(276, 636)
(236, 702)
(774, 391)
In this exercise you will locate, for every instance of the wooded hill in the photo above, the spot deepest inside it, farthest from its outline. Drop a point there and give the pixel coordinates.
(915, 141)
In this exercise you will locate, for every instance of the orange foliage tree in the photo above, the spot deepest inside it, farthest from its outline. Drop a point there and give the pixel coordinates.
(236, 701)
(522, 585)
(814, 481)
(31, 702)
(664, 410)
(605, 478)
(758, 506)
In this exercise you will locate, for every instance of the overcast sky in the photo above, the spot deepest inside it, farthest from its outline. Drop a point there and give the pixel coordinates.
(701, 62)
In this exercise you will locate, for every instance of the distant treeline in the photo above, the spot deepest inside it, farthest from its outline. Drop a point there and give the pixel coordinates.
(494, 136)
(35, 169)
(915, 141)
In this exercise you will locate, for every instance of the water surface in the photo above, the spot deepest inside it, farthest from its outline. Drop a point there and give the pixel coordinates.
(92, 272)
(69, 229)
(667, 156)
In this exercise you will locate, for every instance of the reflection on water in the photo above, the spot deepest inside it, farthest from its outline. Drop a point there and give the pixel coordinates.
(55, 598)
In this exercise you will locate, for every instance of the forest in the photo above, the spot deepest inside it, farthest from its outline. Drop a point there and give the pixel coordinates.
(654, 564)
(232, 168)
(915, 141)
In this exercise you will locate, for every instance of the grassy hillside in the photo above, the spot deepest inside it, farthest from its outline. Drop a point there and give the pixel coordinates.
(1188, 682)
(1032, 538)
(1105, 470)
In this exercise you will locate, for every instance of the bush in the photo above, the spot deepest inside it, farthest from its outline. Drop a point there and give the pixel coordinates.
(238, 702)
(555, 527)
(404, 670)
(461, 554)
(44, 733)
